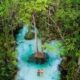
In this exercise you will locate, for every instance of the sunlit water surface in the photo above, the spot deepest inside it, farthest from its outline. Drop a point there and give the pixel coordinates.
(28, 71)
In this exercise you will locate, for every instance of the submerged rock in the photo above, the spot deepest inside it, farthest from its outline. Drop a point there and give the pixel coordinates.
(38, 58)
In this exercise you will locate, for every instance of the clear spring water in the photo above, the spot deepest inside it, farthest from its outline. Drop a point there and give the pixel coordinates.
(28, 71)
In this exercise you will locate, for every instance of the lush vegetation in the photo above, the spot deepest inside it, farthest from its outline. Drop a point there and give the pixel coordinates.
(58, 19)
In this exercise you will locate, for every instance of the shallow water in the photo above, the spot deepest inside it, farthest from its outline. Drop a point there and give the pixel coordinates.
(29, 71)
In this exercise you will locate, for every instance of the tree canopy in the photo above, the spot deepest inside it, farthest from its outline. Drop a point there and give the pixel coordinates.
(58, 19)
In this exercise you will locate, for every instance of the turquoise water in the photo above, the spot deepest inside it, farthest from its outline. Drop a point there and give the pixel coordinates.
(28, 71)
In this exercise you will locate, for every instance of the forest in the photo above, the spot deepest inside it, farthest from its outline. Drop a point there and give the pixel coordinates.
(54, 19)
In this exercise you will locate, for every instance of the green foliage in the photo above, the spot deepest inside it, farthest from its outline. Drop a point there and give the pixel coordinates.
(66, 15)
(11, 13)
(54, 48)
(22, 8)
(48, 47)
